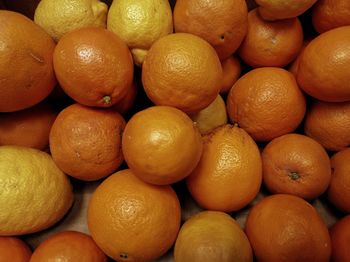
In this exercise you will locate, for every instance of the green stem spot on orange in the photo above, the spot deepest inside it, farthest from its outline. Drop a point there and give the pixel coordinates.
(294, 175)
(107, 100)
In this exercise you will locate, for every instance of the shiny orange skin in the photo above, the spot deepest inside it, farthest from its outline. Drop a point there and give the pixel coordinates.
(330, 14)
(296, 164)
(132, 220)
(267, 43)
(286, 228)
(324, 66)
(161, 145)
(278, 10)
(294, 66)
(93, 66)
(127, 101)
(340, 237)
(231, 71)
(182, 70)
(26, 70)
(85, 142)
(229, 174)
(329, 124)
(261, 101)
(68, 246)
(222, 23)
(28, 127)
(338, 192)
(14, 249)
(212, 236)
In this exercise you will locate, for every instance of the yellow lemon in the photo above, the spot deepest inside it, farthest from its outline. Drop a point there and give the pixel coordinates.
(140, 23)
(212, 116)
(34, 193)
(58, 17)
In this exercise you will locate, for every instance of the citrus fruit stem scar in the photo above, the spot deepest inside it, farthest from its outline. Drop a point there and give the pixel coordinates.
(107, 100)
(294, 175)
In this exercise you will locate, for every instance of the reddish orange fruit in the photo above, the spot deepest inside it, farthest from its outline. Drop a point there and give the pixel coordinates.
(229, 174)
(268, 43)
(68, 246)
(183, 71)
(324, 66)
(29, 127)
(261, 100)
(161, 145)
(93, 66)
(14, 249)
(231, 69)
(338, 191)
(222, 23)
(283, 227)
(131, 220)
(26, 70)
(329, 124)
(297, 165)
(330, 14)
(340, 237)
(85, 142)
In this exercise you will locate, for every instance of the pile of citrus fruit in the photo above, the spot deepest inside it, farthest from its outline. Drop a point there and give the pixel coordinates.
(242, 105)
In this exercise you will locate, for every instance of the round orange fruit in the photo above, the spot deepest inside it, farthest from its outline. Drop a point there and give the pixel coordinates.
(340, 236)
(324, 66)
(131, 220)
(267, 43)
(28, 127)
(26, 70)
(329, 124)
(161, 145)
(93, 66)
(338, 191)
(182, 70)
(86, 142)
(229, 174)
(222, 23)
(283, 227)
(14, 249)
(68, 246)
(296, 164)
(261, 100)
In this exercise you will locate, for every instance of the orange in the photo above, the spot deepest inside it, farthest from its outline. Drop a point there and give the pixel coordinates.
(297, 165)
(212, 236)
(29, 127)
(222, 23)
(183, 71)
(294, 66)
(161, 145)
(14, 249)
(261, 102)
(286, 228)
(324, 66)
(68, 246)
(131, 220)
(282, 9)
(269, 43)
(338, 191)
(93, 66)
(85, 142)
(26, 70)
(329, 14)
(329, 124)
(231, 69)
(229, 174)
(127, 101)
(340, 237)
(24, 7)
